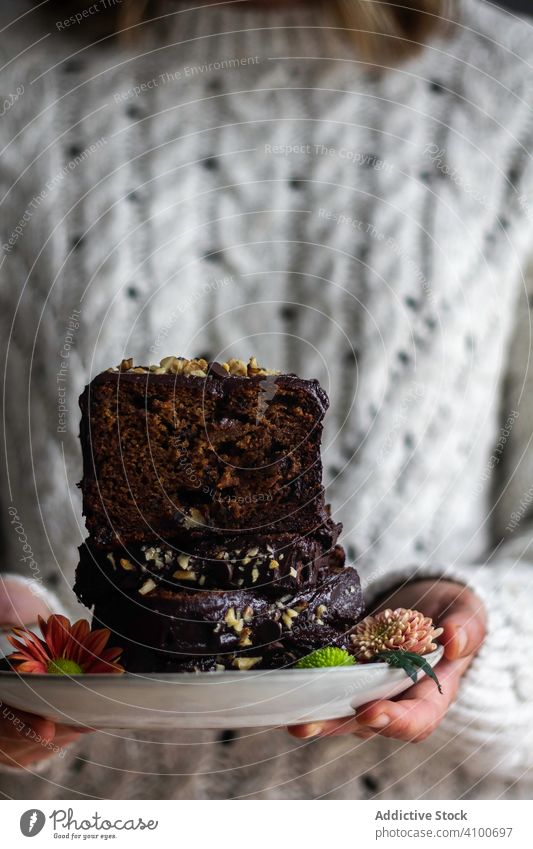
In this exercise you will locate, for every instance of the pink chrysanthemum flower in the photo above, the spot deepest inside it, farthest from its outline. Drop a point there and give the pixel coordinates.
(401, 629)
(64, 650)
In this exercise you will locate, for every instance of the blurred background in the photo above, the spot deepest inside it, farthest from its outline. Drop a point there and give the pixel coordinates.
(524, 6)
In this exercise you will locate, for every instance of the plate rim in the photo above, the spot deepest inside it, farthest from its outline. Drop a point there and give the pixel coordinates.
(436, 655)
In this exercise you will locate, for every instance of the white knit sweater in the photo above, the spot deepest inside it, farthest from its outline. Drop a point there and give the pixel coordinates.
(244, 183)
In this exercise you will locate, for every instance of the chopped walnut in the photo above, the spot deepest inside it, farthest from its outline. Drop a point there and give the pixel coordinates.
(234, 621)
(147, 587)
(246, 662)
(194, 519)
(183, 561)
(195, 367)
(183, 575)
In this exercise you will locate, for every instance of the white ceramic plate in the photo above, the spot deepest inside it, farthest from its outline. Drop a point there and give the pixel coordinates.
(205, 699)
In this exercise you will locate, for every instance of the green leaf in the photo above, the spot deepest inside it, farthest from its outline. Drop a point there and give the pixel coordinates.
(329, 656)
(410, 662)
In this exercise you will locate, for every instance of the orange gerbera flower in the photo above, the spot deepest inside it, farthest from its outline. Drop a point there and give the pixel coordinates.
(65, 649)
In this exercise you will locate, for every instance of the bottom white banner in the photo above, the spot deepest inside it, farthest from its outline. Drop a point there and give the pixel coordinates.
(313, 823)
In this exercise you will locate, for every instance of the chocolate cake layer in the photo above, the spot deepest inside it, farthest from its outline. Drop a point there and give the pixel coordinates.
(216, 454)
(165, 628)
(279, 562)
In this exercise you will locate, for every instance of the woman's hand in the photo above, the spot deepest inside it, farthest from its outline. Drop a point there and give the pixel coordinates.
(416, 713)
(26, 739)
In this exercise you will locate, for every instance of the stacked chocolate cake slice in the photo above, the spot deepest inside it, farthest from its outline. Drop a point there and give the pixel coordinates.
(210, 546)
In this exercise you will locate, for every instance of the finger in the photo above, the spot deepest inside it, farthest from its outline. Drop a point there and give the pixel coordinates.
(73, 729)
(66, 739)
(329, 728)
(464, 625)
(17, 752)
(370, 716)
(19, 605)
(449, 674)
(58, 741)
(15, 725)
(27, 756)
(29, 750)
(427, 595)
(415, 718)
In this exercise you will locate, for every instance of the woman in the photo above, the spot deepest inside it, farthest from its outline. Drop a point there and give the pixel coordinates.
(259, 177)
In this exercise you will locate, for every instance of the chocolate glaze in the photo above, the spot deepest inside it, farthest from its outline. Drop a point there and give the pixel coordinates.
(279, 562)
(213, 386)
(165, 628)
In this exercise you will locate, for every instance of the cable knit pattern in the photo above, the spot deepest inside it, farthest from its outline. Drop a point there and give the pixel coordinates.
(245, 183)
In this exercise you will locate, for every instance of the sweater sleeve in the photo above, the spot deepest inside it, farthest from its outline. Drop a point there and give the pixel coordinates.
(490, 726)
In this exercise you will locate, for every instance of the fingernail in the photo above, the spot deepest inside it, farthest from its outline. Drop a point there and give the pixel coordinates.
(379, 722)
(311, 730)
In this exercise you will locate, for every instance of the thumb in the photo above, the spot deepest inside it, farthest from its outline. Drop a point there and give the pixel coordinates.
(19, 605)
(464, 625)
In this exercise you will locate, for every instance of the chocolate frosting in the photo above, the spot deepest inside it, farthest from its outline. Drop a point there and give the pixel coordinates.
(279, 562)
(167, 627)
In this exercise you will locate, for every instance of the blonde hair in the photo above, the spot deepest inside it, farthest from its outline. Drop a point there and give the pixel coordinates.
(392, 30)
(382, 29)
